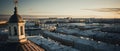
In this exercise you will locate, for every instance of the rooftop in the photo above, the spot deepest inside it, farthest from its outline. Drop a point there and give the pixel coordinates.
(27, 46)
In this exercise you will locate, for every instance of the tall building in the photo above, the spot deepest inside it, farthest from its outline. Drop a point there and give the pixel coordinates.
(17, 40)
(16, 28)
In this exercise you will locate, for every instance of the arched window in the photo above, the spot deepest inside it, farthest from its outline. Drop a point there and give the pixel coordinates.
(15, 31)
(10, 31)
(21, 30)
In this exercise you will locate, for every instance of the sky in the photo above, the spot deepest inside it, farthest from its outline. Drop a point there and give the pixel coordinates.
(73, 8)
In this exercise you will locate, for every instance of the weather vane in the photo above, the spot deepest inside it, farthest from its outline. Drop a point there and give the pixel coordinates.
(15, 2)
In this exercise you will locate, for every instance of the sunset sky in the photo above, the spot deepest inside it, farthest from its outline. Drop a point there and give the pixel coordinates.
(73, 8)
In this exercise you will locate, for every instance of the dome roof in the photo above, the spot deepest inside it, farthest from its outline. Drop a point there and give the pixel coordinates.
(15, 18)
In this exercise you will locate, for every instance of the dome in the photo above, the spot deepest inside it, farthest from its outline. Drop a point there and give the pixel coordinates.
(15, 18)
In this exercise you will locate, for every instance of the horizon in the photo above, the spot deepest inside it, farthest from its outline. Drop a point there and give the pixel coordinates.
(54, 16)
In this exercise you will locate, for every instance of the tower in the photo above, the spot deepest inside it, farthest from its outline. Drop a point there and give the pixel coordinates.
(17, 40)
(16, 28)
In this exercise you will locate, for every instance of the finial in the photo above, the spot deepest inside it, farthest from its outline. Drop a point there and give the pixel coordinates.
(15, 2)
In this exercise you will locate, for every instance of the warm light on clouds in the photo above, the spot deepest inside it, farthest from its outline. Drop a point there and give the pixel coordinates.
(107, 12)
(112, 10)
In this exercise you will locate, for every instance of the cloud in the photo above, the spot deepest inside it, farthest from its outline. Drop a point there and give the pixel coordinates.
(112, 10)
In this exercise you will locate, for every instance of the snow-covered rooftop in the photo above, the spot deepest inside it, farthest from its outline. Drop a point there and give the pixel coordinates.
(77, 42)
(50, 45)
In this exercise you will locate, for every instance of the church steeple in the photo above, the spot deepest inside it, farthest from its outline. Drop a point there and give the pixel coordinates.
(16, 27)
(17, 40)
(15, 18)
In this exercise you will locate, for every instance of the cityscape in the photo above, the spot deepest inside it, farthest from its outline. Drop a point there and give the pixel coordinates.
(55, 30)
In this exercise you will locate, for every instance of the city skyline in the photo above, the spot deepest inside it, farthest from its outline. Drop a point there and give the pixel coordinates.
(73, 8)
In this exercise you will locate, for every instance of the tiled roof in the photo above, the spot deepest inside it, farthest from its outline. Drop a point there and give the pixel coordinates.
(27, 46)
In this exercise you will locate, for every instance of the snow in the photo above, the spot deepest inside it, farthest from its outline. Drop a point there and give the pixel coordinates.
(50, 45)
(90, 34)
(82, 44)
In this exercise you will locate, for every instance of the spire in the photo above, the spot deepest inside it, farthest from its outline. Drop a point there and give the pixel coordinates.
(15, 2)
(15, 18)
(15, 12)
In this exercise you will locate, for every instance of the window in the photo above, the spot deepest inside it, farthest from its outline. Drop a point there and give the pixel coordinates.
(15, 31)
(21, 30)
